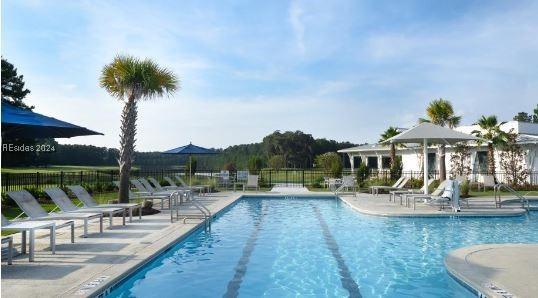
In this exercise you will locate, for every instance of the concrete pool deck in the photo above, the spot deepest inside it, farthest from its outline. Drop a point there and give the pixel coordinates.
(380, 206)
(92, 264)
(496, 270)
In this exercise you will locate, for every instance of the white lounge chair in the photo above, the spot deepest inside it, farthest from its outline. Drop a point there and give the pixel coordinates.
(224, 178)
(173, 185)
(148, 195)
(200, 188)
(9, 241)
(486, 181)
(34, 211)
(30, 226)
(60, 198)
(401, 193)
(423, 197)
(400, 183)
(88, 201)
(252, 182)
(183, 192)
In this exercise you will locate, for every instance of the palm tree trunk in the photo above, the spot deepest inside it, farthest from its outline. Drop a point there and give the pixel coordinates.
(392, 156)
(127, 146)
(442, 165)
(491, 160)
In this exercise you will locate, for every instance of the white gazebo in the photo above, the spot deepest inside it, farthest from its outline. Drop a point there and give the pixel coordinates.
(425, 133)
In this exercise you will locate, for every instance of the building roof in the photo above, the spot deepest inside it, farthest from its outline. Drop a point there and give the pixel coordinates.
(431, 133)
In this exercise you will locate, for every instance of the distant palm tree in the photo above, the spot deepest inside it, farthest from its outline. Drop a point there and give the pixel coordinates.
(387, 134)
(441, 112)
(130, 79)
(490, 130)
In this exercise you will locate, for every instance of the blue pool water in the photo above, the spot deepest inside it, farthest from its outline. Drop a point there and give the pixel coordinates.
(314, 247)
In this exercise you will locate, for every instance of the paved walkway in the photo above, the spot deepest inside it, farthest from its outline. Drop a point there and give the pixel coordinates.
(380, 205)
(497, 270)
(81, 268)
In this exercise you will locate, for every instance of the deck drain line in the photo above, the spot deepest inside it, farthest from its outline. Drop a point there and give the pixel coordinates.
(503, 293)
(345, 276)
(91, 285)
(241, 268)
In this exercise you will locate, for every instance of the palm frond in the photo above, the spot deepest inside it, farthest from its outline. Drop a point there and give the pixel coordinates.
(143, 79)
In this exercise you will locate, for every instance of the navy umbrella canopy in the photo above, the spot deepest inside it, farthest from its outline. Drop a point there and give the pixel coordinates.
(190, 149)
(25, 124)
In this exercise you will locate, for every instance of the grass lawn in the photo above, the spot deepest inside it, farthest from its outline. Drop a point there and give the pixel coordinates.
(489, 193)
(51, 169)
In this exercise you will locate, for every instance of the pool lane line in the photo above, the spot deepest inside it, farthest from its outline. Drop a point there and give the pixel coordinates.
(345, 275)
(234, 284)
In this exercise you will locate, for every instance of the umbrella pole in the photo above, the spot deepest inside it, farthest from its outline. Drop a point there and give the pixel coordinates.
(190, 170)
(425, 163)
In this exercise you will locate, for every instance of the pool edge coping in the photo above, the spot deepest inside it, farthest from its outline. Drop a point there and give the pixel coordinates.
(453, 261)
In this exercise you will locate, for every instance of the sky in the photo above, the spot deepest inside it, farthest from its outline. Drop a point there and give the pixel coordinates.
(342, 70)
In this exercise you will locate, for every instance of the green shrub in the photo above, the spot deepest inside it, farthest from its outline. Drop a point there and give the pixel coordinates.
(39, 194)
(434, 185)
(362, 174)
(318, 182)
(378, 181)
(414, 183)
(163, 182)
(7, 201)
(464, 189)
(331, 163)
(396, 168)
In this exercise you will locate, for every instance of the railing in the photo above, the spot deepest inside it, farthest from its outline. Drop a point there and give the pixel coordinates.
(102, 180)
(497, 194)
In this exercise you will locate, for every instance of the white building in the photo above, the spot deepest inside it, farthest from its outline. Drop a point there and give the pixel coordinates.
(377, 156)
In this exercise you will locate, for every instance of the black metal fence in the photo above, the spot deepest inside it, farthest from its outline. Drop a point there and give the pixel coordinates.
(103, 180)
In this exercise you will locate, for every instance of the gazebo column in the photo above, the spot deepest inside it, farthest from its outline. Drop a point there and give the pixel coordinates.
(425, 163)
(379, 163)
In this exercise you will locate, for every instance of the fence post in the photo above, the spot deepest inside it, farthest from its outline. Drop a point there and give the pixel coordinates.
(286, 177)
(81, 178)
(270, 178)
(111, 176)
(61, 178)
(5, 183)
(303, 177)
(37, 179)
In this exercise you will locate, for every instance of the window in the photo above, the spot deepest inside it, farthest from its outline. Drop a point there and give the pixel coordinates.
(372, 162)
(432, 162)
(481, 163)
(385, 161)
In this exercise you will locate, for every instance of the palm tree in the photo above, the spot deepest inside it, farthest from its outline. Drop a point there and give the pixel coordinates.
(130, 79)
(441, 112)
(490, 130)
(387, 134)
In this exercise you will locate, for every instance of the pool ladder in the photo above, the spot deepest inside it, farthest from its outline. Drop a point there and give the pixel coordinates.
(342, 187)
(497, 194)
(204, 211)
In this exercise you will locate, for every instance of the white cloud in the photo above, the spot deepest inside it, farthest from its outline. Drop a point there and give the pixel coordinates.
(295, 15)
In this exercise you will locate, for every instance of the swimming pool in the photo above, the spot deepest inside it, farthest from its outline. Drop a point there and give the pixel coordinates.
(278, 247)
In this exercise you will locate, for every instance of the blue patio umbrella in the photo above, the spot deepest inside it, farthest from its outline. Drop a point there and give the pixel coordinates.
(25, 124)
(190, 149)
